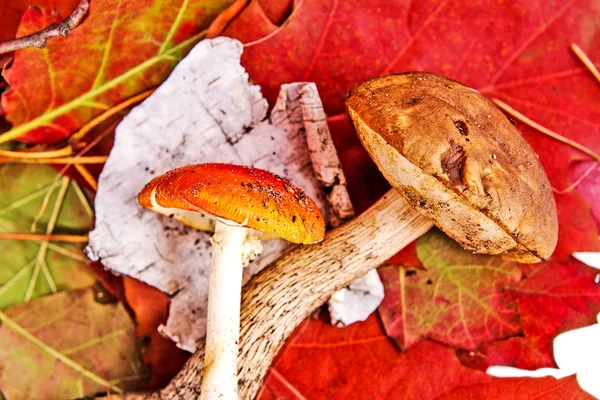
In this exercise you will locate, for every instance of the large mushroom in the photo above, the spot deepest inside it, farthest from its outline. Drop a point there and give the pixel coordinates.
(244, 205)
(459, 161)
(453, 159)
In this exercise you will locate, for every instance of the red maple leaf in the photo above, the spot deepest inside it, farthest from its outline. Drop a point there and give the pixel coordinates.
(108, 58)
(360, 362)
(454, 301)
(150, 307)
(555, 298)
(321, 361)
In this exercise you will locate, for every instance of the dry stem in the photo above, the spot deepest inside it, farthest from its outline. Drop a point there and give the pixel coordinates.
(109, 113)
(40, 38)
(43, 237)
(87, 176)
(517, 115)
(586, 61)
(64, 152)
(61, 160)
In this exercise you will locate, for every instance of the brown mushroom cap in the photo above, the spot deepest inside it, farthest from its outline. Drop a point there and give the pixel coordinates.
(459, 161)
(248, 196)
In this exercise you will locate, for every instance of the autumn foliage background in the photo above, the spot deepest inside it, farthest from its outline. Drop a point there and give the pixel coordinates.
(447, 314)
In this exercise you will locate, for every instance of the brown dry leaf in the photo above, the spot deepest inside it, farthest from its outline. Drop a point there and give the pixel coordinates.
(68, 345)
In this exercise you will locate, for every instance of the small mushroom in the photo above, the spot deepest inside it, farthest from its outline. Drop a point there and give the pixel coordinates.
(459, 161)
(244, 205)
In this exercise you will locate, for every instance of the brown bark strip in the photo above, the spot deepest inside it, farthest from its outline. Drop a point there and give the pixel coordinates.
(40, 38)
(324, 158)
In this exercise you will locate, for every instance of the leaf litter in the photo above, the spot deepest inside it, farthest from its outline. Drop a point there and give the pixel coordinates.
(97, 350)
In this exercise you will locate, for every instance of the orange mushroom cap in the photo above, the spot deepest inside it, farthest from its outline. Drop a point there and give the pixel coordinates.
(248, 196)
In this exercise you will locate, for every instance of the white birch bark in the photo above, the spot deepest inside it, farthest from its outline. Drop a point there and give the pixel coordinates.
(206, 111)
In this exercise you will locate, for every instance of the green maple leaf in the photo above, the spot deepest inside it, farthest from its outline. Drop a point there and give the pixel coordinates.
(456, 300)
(35, 199)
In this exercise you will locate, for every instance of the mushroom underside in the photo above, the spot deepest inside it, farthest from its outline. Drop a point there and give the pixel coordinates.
(463, 222)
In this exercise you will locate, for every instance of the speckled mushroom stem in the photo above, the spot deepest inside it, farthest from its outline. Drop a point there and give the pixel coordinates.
(223, 316)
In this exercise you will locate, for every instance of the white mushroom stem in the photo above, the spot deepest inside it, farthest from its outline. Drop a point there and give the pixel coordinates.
(233, 247)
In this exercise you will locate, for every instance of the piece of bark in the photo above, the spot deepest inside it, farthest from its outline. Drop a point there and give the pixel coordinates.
(204, 112)
(356, 301)
(325, 161)
(279, 298)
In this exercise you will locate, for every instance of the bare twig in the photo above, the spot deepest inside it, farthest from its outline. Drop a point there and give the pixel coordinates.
(43, 237)
(59, 160)
(64, 152)
(586, 60)
(40, 38)
(107, 114)
(89, 178)
(528, 121)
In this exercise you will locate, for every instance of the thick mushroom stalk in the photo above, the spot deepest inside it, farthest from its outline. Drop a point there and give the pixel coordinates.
(244, 203)
(233, 248)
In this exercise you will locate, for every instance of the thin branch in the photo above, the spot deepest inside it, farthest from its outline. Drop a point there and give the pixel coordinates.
(40, 38)
(64, 152)
(43, 237)
(517, 115)
(109, 113)
(61, 160)
(89, 178)
(586, 60)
